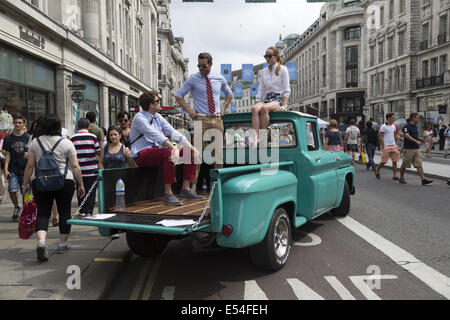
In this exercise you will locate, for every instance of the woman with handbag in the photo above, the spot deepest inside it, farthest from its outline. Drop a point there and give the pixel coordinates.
(48, 137)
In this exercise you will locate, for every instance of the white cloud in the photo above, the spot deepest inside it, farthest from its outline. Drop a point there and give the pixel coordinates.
(237, 32)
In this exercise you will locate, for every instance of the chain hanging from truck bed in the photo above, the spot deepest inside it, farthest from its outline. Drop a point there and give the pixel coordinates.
(195, 225)
(76, 215)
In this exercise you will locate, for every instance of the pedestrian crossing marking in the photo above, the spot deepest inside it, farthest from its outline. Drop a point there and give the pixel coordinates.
(302, 291)
(339, 288)
(253, 291)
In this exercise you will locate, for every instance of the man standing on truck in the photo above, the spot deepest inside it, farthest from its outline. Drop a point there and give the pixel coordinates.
(151, 148)
(205, 88)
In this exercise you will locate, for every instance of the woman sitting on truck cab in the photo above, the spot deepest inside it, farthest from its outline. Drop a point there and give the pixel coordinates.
(273, 92)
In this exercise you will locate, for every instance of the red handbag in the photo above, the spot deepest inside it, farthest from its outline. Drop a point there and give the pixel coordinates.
(27, 219)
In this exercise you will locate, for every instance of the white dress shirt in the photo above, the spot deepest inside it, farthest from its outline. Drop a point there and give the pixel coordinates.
(271, 83)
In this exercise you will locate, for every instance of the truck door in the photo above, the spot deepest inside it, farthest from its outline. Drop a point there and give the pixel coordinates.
(324, 170)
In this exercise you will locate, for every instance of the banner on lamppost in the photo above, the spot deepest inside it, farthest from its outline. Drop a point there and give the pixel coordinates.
(253, 90)
(292, 69)
(225, 70)
(238, 91)
(247, 74)
(233, 108)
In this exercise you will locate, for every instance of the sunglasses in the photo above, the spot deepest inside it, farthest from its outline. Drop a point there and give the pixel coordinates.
(204, 66)
(123, 120)
(269, 56)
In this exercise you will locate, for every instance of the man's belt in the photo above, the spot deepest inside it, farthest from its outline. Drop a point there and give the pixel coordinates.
(202, 115)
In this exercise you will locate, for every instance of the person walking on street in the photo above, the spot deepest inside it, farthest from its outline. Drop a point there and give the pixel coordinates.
(49, 136)
(442, 137)
(447, 141)
(428, 136)
(205, 88)
(411, 149)
(88, 149)
(116, 155)
(123, 119)
(98, 132)
(351, 139)
(15, 146)
(388, 136)
(370, 140)
(333, 139)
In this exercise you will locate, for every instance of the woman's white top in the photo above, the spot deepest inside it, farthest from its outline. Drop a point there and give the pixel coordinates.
(271, 83)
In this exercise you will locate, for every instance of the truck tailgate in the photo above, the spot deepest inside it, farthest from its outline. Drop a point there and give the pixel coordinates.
(147, 216)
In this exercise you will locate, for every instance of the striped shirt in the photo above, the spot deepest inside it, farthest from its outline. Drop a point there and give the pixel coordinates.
(86, 145)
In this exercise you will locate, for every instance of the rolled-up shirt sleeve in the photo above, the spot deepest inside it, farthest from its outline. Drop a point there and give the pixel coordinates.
(285, 82)
(170, 131)
(225, 88)
(185, 88)
(143, 126)
(261, 89)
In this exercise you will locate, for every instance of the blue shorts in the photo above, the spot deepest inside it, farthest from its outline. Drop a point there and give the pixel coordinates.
(15, 182)
(352, 148)
(273, 97)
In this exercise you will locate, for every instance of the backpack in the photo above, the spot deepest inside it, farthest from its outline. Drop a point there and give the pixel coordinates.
(48, 176)
(353, 134)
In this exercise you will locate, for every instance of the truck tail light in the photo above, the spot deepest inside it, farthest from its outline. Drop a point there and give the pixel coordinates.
(227, 230)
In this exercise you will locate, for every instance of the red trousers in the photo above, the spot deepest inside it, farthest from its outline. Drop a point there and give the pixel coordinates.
(159, 157)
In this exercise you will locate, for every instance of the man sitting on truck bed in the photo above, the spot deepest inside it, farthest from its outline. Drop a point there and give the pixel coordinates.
(151, 148)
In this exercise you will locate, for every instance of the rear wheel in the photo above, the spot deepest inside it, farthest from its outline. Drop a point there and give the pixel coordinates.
(344, 207)
(146, 244)
(273, 252)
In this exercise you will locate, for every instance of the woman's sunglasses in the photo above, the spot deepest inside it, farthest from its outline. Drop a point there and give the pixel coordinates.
(269, 56)
(123, 120)
(202, 66)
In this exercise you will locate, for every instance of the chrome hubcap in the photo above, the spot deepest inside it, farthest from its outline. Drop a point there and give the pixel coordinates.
(281, 237)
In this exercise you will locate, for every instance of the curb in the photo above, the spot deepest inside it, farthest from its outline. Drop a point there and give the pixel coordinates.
(100, 276)
(414, 171)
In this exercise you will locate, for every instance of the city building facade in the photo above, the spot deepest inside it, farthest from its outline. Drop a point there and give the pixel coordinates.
(406, 65)
(73, 56)
(172, 67)
(331, 84)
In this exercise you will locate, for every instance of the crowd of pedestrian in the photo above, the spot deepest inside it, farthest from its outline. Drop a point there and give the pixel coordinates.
(391, 141)
(77, 156)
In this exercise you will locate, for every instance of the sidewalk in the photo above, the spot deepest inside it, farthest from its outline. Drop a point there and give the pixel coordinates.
(435, 168)
(100, 259)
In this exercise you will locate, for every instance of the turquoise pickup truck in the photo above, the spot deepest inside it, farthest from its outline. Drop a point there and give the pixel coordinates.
(252, 204)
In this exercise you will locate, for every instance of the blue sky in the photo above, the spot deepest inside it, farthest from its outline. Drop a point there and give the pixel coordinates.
(237, 32)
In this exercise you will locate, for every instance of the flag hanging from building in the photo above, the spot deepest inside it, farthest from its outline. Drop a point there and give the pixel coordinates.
(237, 91)
(247, 74)
(233, 108)
(225, 70)
(253, 90)
(292, 69)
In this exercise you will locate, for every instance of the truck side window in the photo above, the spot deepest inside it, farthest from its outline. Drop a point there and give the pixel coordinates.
(311, 134)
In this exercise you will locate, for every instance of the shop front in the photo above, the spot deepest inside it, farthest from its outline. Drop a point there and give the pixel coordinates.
(85, 98)
(27, 84)
(349, 106)
(115, 106)
(433, 110)
(133, 106)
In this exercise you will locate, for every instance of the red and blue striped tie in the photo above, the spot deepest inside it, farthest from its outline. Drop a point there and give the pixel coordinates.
(209, 93)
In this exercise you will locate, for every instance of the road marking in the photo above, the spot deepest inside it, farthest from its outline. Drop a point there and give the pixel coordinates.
(253, 291)
(315, 240)
(168, 293)
(140, 282)
(108, 260)
(365, 289)
(151, 279)
(339, 288)
(433, 278)
(302, 291)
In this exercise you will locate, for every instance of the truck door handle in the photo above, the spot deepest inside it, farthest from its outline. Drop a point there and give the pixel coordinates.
(338, 159)
(317, 159)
